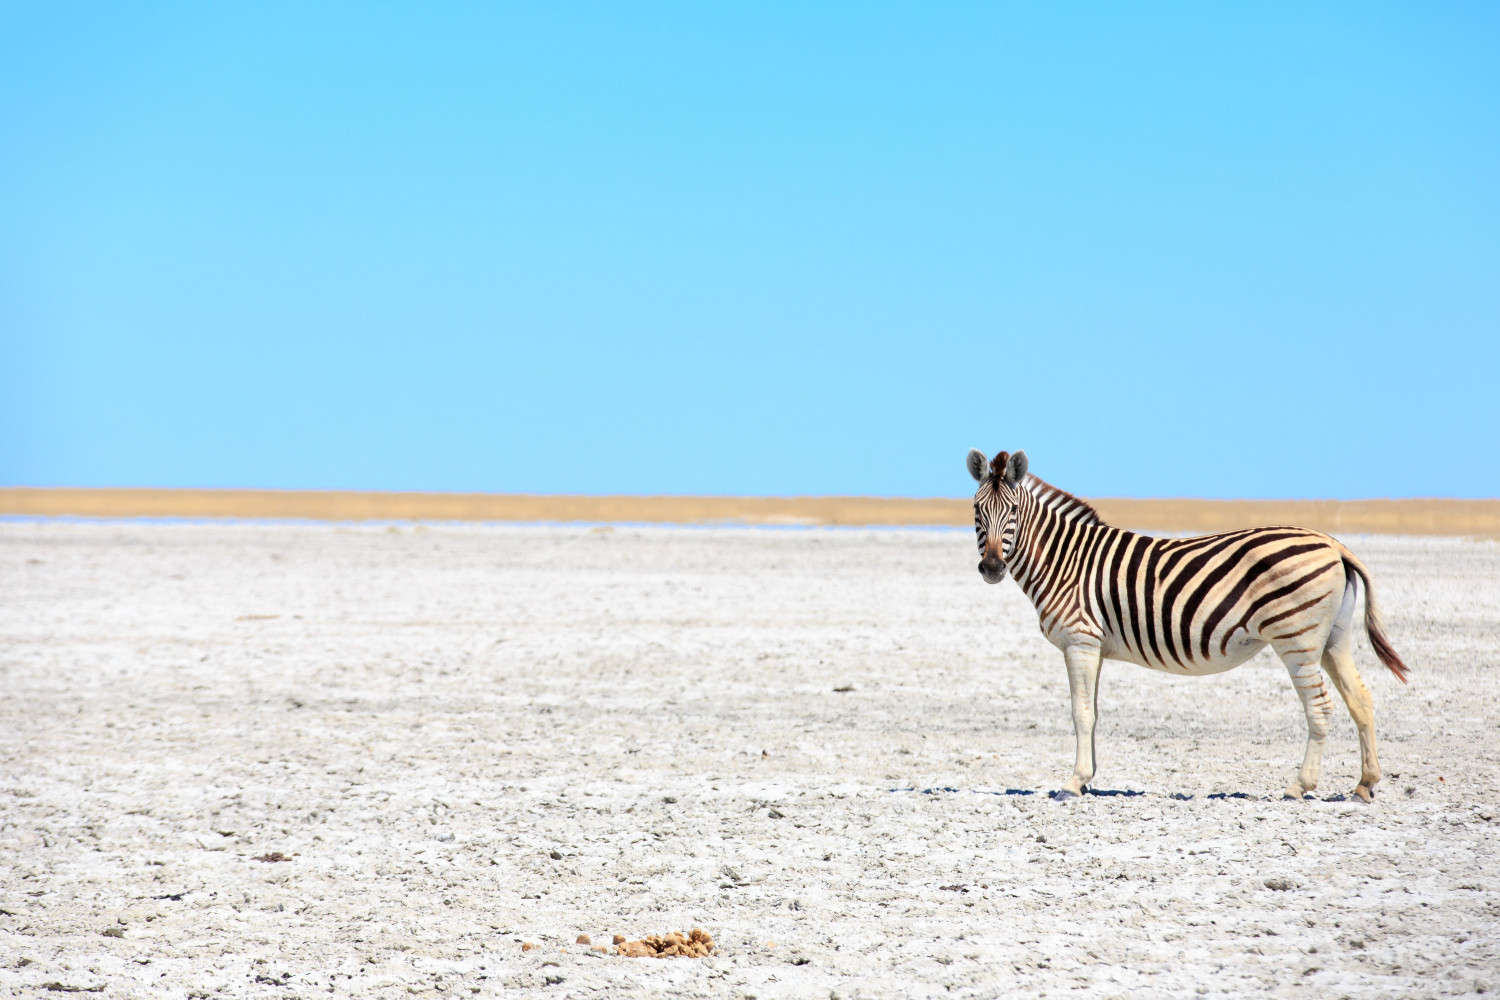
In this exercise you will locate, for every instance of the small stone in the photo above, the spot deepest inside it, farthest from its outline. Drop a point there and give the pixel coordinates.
(696, 944)
(555, 855)
(619, 939)
(583, 939)
(1280, 884)
(527, 946)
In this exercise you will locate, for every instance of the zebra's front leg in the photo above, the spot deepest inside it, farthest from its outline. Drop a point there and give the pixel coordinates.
(1083, 686)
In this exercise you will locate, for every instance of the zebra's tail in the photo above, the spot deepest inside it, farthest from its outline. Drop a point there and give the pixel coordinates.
(1374, 628)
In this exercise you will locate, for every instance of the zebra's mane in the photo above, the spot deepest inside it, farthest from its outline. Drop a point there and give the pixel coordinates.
(1065, 504)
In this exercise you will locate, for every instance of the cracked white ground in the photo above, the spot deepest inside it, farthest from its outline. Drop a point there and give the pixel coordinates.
(467, 737)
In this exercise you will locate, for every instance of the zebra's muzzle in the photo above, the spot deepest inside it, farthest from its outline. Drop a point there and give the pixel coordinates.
(992, 569)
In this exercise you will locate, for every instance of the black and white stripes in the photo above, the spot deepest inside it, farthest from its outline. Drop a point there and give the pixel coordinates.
(1181, 605)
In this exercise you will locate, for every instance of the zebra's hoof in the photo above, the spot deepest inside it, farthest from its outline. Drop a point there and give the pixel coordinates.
(1364, 794)
(1062, 793)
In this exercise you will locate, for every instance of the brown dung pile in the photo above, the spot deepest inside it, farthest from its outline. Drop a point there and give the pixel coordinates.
(675, 945)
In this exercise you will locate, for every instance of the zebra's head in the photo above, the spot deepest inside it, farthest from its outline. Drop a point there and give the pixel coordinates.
(995, 508)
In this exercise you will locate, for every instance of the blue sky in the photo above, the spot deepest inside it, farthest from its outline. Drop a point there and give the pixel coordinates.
(1168, 249)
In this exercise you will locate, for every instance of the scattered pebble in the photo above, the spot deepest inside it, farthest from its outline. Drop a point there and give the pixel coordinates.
(696, 944)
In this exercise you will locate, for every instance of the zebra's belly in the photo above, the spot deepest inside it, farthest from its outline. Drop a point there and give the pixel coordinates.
(1241, 648)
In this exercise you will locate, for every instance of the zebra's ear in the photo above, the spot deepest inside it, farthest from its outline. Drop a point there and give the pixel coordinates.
(1015, 469)
(977, 462)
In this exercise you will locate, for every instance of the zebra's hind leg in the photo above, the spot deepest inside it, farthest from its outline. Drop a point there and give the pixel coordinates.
(1338, 662)
(1307, 678)
(1340, 667)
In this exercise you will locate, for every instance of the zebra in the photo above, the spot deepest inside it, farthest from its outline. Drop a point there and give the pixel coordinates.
(1181, 605)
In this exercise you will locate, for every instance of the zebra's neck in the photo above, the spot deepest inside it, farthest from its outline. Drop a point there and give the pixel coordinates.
(1049, 523)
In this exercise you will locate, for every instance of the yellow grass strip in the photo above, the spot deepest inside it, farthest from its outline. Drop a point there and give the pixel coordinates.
(1407, 517)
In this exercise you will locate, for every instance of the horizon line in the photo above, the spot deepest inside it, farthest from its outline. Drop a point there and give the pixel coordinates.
(1405, 516)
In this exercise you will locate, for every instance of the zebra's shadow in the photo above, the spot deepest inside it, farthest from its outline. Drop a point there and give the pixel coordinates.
(1127, 793)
